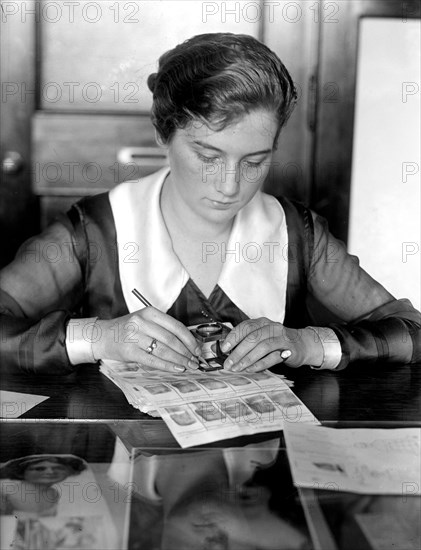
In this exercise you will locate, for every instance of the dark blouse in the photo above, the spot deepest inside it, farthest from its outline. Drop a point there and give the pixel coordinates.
(71, 270)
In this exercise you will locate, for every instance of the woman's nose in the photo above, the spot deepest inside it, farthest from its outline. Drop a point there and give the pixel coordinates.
(229, 179)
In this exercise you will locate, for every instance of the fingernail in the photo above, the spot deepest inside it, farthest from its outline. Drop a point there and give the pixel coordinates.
(198, 350)
(179, 368)
(225, 346)
(228, 364)
(193, 365)
(236, 367)
(285, 354)
(194, 358)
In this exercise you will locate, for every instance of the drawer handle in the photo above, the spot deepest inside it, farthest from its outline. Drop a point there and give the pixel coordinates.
(152, 156)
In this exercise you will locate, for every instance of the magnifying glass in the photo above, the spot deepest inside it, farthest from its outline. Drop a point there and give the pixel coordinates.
(209, 330)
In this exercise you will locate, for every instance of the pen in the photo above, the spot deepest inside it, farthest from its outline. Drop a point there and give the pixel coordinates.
(141, 298)
(145, 302)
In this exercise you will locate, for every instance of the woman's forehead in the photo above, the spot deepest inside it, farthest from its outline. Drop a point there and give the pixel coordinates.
(253, 131)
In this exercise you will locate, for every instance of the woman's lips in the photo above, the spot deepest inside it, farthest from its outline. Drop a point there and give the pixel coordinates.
(221, 205)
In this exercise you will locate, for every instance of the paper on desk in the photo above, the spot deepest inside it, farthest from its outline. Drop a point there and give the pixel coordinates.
(363, 460)
(14, 404)
(203, 407)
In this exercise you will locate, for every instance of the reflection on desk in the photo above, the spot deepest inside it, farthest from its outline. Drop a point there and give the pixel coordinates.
(137, 496)
(346, 521)
(144, 497)
(361, 392)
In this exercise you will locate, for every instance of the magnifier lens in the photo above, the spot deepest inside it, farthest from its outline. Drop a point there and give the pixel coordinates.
(209, 329)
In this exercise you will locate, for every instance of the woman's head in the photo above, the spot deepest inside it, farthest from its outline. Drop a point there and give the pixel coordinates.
(43, 469)
(217, 79)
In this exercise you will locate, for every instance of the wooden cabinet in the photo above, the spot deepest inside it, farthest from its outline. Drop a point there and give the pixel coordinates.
(75, 102)
(84, 124)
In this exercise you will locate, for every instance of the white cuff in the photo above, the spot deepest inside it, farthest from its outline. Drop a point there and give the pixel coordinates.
(80, 335)
(332, 351)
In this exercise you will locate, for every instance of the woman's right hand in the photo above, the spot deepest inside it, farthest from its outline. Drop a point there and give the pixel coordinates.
(127, 339)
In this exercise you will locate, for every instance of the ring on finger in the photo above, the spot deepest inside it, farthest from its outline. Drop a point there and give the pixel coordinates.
(151, 346)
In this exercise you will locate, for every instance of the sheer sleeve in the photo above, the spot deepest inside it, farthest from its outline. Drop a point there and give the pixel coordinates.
(40, 290)
(371, 324)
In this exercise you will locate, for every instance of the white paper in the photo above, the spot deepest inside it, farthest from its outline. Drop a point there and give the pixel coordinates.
(14, 404)
(202, 407)
(208, 421)
(363, 460)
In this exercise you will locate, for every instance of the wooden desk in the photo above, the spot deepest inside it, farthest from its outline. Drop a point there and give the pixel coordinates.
(360, 393)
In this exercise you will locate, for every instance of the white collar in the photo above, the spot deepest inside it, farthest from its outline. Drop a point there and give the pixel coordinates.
(254, 275)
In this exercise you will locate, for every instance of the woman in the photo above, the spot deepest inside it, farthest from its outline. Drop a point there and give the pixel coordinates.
(201, 242)
(28, 484)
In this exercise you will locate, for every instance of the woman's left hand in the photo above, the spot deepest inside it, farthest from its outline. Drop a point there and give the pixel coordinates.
(257, 345)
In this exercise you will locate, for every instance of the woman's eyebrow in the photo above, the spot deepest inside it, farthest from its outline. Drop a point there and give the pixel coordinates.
(208, 146)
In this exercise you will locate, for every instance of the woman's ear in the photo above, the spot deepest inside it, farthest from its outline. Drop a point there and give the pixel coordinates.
(158, 139)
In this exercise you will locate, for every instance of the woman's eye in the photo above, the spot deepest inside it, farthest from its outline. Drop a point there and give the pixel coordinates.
(207, 159)
(253, 164)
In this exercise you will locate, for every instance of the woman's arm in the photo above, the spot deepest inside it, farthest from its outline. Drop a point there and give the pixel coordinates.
(371, 324)
(39, 329)
(39, 290)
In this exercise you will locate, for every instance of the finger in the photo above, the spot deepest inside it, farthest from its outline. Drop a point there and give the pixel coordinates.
(243, 331)
(242, 361)
(272, 359)
(154, 362)
(177, 328)
(168, 354)
(257, 345)
(267, 362)
(176, 348)
(151, 333)
(175, 334)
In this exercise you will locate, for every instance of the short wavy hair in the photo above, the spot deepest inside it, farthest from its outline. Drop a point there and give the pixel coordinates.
(217, 78)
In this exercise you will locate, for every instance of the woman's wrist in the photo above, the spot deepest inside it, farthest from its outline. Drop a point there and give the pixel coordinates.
(313, 348)
(80, 336)
(328, 343)
(99, 342)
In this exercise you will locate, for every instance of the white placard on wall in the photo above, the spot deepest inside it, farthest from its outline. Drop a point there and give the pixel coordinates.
(385, 188)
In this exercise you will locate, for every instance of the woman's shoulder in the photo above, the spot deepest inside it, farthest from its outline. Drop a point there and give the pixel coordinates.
(300, 221)
(294, 208)
(93, 206)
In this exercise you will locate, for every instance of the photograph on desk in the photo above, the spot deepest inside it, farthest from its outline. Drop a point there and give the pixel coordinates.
(53, 498)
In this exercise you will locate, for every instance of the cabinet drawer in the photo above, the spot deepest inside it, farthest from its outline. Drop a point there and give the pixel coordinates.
(85, 154)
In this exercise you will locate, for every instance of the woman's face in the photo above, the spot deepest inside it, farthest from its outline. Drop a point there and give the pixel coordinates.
(46, 472)
(216, 173)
